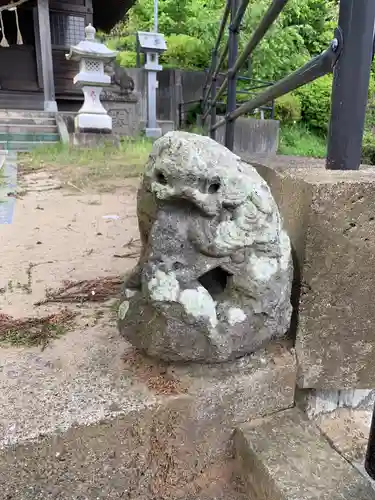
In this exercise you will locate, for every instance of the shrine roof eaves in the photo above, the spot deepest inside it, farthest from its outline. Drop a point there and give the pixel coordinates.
(109, 12)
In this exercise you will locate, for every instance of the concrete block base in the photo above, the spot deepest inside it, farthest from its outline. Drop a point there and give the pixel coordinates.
(93, 122)
(329, 216)
(153, 133)
(93, 139)
(165, 126)
(285, 457)
(91, 418)
(50, 106)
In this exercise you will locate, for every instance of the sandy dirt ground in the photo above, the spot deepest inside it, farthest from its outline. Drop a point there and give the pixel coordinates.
(59, 235)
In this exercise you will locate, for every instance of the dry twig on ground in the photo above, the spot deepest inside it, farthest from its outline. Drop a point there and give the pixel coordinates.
(132, 243)
(95, 290)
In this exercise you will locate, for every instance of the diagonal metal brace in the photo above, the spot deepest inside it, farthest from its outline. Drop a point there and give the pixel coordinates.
(319, 66)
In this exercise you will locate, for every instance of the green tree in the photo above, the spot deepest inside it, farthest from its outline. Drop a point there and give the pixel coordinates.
(303, 29)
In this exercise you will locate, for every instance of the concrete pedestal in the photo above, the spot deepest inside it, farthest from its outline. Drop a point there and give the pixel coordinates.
(329, 216)
(91, 122)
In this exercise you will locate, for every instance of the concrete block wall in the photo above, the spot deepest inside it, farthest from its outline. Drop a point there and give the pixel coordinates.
(252, 136)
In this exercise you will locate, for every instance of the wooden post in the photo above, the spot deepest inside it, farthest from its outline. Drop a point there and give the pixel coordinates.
(46, 56)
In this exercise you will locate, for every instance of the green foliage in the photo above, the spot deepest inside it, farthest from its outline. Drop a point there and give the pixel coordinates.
(185, 51)
(368, 148)
(370, 115)
(303, 30)
(298, 140)
(127, 59)
(288, 108)
(127, 43)
(316, 103)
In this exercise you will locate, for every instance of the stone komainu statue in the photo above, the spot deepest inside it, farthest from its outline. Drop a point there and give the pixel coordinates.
(214, 277)
(120, 78)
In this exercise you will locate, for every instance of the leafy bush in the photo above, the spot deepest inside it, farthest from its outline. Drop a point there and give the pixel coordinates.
(370, 115)
(191, 114)
(298, 140)
(184, 51)
(368, 148)
(122, 43)
(316, 103)
(288, 108)
(127, 59)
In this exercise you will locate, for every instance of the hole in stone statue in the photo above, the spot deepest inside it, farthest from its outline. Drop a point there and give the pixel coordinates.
(215, 281)
(214, 187)
(161, 179)
(177, 266)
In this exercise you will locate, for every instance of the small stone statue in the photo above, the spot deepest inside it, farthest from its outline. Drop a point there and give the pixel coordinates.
(120, 78)
(214, 277)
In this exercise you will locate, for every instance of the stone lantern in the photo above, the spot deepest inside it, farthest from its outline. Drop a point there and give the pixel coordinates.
(92, 57)
(152, 45)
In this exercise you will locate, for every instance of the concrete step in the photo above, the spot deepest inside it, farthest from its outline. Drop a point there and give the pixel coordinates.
(98, 431)
(21, 128)
(286, 457)
(10, 120)
(25, 113)
(24, 146)
(29, 136)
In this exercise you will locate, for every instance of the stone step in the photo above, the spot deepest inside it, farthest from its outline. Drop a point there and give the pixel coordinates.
(24, 121)
(24, 146)
(24, 113)
(285, 457)
(29, 128)
(29, 136)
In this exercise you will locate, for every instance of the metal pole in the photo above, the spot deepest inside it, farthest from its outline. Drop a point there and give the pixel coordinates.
(236, 22)
(213, 96)
(370, 455)
(269, 18)
(138, 60)
(350, 85)
(156, 8)
(179, 115)
(232, 76)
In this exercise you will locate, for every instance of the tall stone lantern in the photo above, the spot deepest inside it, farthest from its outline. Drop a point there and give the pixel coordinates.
(92, 56)
(152, 45)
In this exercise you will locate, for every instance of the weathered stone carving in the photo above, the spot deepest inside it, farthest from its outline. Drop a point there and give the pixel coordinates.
(124, 118)
(214, 278)
(120, 78)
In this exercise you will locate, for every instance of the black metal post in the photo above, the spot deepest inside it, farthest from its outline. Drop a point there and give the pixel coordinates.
(273, 110)
(232, 76)
(138, 55)
(179, 114)
(213, 96)
(214, 70)
(350, 85)
(370, 456)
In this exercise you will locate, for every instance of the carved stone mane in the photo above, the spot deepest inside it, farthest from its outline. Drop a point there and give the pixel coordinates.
(214, 278)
